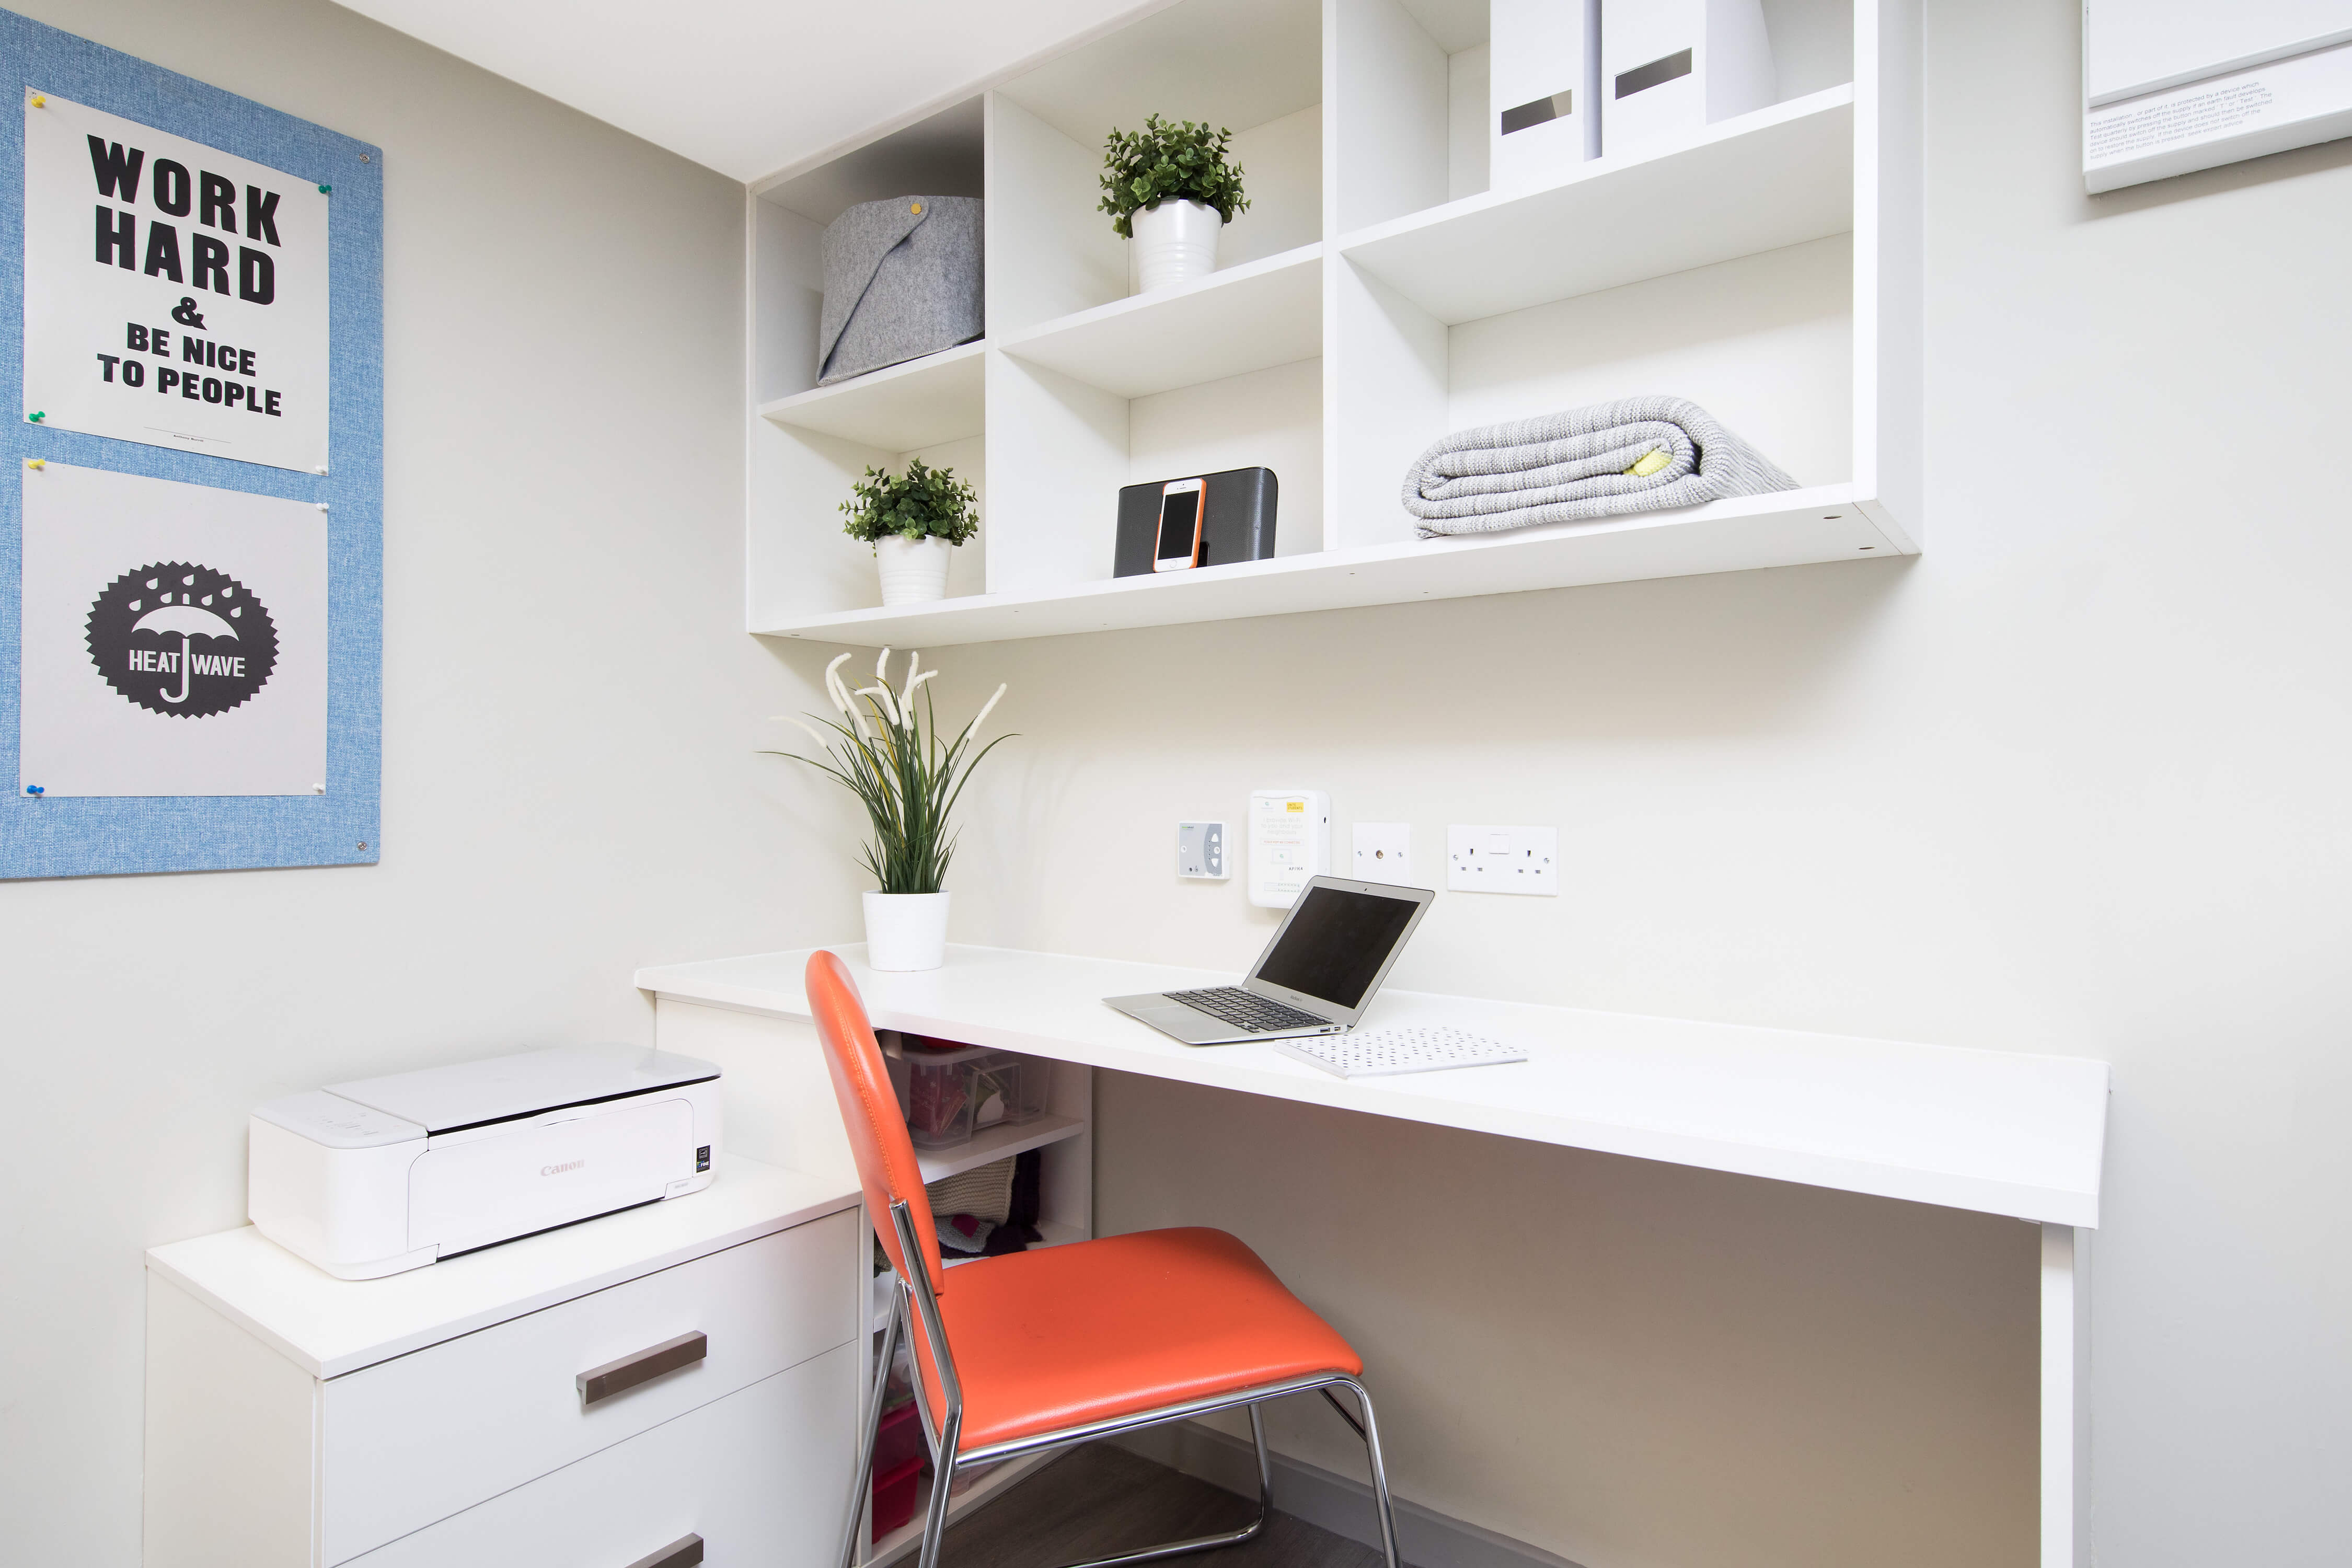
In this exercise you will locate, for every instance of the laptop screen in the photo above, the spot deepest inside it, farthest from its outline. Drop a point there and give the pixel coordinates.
(1336, 943)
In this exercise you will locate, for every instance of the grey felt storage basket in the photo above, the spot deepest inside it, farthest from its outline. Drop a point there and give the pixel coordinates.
(901, 281)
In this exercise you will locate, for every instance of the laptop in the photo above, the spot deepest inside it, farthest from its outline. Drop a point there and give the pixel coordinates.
(1316, 977)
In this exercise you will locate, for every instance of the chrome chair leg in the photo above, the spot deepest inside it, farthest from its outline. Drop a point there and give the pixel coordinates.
(1371, 1432)
(943, 1464)
(1265, 1468)
(848, 1556)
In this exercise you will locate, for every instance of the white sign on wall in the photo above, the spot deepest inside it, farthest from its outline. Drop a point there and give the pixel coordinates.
(174, 294)
(2170, 87)
(175, 638)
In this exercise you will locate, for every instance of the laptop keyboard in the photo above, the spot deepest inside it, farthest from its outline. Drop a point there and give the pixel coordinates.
(1247, 1009)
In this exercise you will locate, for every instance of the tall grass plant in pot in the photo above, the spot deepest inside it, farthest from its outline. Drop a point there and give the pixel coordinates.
(913, 520)
(887, 748)
(1171, 190)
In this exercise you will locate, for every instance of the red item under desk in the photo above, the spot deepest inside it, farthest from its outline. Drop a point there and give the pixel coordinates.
(895, 1495)
(898, 1439)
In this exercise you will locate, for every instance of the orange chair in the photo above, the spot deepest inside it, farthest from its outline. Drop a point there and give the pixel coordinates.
(1043, 1350)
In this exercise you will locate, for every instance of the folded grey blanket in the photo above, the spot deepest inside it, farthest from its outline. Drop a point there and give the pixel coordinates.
(1637, 453)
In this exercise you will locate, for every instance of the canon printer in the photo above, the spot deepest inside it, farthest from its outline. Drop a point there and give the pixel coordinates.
(370, 1178)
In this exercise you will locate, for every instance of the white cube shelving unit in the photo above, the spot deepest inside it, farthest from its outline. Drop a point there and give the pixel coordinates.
(1375, 296)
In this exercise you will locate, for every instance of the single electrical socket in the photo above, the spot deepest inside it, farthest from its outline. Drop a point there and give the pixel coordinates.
(1482, 859)
(1384, 851)
(1201, 850)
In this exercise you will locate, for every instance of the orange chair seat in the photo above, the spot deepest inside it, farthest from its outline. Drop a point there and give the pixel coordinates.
(1069, 1335)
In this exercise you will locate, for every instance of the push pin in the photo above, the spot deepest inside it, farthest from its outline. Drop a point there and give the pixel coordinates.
(322, 506)
(34, 789)
(38, 415)
(324, 189)
(317, 789)
(40, 101)
(322, 469)
(37, 462)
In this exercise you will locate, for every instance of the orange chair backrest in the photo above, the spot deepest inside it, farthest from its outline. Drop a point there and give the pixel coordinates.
(870, 1110)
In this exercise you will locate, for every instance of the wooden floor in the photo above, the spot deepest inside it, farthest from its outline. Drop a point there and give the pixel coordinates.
(1097, 1501)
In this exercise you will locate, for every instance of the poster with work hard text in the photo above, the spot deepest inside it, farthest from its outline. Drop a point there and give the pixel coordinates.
(175, 294)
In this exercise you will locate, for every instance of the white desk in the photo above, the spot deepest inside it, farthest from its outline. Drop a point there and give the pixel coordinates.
(1993, 1131)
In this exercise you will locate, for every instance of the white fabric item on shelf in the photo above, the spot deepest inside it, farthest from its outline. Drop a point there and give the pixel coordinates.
(1576, 465)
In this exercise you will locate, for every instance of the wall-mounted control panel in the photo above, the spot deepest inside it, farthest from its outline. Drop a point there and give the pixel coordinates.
(1480, 859)
(1289, 841)
(1200, 851)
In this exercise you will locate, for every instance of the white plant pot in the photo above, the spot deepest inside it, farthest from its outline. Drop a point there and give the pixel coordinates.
(905, 931)
(913, 570)
(1175, 242)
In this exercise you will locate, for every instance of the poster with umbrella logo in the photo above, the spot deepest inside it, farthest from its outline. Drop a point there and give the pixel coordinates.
(175, 638)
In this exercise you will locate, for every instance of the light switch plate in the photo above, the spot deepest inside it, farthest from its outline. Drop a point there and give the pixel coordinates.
(1482, 859)
(1383, 851)
(1200, 851)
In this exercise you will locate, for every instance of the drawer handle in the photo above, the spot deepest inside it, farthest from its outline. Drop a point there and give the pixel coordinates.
(617, 1376)
(683, 1553)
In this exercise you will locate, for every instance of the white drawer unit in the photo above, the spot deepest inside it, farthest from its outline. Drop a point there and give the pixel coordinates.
(747, 1478)
(415, 1438)
(685, 1362)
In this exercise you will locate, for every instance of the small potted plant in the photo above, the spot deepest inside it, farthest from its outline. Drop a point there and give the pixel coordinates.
(912, 521)
(889, 754)
(1171, 190)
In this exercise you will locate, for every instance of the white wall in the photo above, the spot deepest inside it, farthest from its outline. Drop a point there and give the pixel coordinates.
(2074, 782)
(570, 710)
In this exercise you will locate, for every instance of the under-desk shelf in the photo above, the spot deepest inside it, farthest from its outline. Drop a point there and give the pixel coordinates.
(990, 1144)
(1250, 317)
(1776, 177)
(1792, 528)
(899, 408)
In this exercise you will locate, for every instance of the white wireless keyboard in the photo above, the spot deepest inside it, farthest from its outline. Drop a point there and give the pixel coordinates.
(1419, 1047)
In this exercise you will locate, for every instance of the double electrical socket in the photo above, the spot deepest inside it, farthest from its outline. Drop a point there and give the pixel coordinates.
(1480, 859)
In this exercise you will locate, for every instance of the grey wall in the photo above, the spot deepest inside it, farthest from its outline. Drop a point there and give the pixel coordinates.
(2074, 782)
(569, 712)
